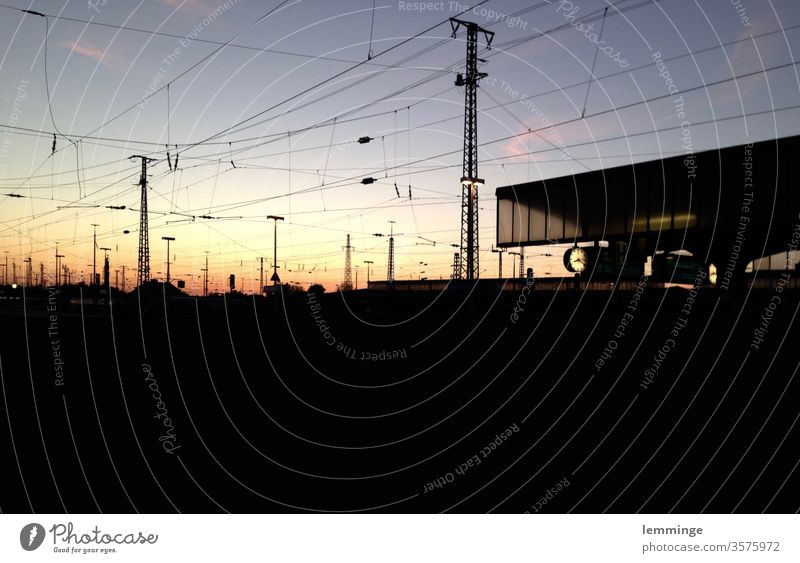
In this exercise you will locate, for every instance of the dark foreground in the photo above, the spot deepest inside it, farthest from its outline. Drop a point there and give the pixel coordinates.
(403, 402)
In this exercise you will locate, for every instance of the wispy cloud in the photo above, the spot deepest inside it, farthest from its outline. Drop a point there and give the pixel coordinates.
(86, 49)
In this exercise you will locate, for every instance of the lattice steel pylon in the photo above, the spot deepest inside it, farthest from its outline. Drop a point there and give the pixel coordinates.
(456, 266)
(521, 261)
(347, 285)
(143, 270)
(469, 179)
(390, 266)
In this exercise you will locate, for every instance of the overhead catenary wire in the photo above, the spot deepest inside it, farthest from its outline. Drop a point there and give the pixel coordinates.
(229, 146)
(594, 61)
(213, 53)
(593, 142)
(24, 130)
(336, 75)
(533, 37)
(280, 6)
(353, 180)
(371, 29)
(94, 22)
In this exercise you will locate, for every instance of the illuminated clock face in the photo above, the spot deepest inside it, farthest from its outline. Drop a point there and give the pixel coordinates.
(578, 259)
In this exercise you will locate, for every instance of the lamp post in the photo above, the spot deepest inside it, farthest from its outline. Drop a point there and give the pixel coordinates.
(106, 274)
(205, 277)
(168, 239)
(94, 254)
(499, 251)
(58, 266)
(275, 278)
(28, 271)
(514, 263)
(369, 265)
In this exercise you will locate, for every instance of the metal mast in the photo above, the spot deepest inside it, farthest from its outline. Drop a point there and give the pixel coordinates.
(94, 255)
(261, 277)
(347, 285)
(28, 271)
(521, 261)
(469, 179)
(456, 266)
(143, 270)
(58, 266)
(106, 268)
(390, 268)
(275, 279)
(499, 252)
(205, 277)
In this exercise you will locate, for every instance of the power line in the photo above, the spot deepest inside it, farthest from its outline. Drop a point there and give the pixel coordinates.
(616, 109)
(355, 180)
(277, 136)
(334, 76)
(194, 39)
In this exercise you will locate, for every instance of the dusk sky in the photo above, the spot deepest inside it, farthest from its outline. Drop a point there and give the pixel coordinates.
(268, 121)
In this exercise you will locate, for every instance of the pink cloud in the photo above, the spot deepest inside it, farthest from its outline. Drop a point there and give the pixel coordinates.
(87, 50)
(552, 139)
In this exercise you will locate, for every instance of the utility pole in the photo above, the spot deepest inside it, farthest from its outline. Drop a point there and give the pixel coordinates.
(514, 263)
(94, 255)
(143, 269)
(205, 277)
(58, 266)
(123, 279)
(347, 284)
(469, 178)
(369, 264)
(5, 270)
(41, 275)
(261, 277)
(28, 271)
(456, 275)
(168, 239)
(106, 267)
(500, 252)
(275, 279)
(390, 268)
(521, 261)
